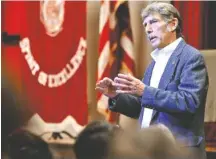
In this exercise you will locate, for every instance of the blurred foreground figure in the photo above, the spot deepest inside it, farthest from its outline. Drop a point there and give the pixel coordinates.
(93, 142)
(13, 110)
(25, 145)
(154, 142)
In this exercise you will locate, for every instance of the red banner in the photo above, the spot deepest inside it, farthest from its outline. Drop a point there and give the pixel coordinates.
(51, 59)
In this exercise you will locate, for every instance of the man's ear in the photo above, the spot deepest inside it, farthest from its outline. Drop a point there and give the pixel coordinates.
(172, 25)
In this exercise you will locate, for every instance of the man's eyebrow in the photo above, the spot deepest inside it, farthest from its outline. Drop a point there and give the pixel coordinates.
(144, 23)
(154, 19)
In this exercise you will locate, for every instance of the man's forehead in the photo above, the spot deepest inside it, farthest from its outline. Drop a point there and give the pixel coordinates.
(152, 16)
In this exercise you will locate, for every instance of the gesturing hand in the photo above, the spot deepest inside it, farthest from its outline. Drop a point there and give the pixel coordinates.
(128, 84)
(106, 87)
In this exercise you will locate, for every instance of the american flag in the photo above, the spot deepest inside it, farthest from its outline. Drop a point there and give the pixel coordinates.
(115, 48)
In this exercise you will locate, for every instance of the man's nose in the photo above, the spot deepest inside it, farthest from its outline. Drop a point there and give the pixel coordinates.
(148, 28)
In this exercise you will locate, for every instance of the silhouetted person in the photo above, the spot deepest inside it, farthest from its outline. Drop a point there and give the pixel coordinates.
(93, 141)
(14, 112)
(154, 142)
(25, 145)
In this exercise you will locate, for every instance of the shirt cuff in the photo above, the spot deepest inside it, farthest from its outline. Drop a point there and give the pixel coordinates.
(112, 101)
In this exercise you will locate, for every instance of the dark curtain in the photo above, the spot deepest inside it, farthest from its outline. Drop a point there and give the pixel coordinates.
(192, 21)
(209, 30)
(199, 22)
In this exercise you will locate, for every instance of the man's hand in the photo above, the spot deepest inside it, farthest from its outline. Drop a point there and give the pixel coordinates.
(106, 87)
(128, 84)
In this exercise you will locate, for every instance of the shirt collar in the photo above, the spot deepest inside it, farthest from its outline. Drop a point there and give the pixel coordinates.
(166, 51)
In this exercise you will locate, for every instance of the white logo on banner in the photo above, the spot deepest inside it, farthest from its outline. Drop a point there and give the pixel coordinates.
(54, 80)
(52, 15)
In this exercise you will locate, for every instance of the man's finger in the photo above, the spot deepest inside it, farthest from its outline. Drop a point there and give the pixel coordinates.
(106, 79)
(127, 77)
(102, 90)
(100, 84)
(122, 81)
(104, 82)
(125, 91)
(98, 88)
(120, 86)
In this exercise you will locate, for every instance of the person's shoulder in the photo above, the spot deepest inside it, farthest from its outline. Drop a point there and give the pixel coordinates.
(189, 52)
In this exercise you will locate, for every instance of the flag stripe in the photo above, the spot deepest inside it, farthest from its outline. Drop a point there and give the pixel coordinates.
(103, 59)
(126, 44)
(104, 36)
(104, 15)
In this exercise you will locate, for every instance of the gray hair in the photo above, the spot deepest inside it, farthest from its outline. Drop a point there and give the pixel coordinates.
(167, 11)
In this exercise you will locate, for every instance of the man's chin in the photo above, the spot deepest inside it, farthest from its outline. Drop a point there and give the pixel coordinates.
(154, 45)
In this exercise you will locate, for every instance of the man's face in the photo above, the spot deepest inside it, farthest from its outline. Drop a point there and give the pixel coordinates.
(156, 30)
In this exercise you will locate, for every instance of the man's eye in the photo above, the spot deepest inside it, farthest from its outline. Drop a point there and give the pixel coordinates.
(153, 21)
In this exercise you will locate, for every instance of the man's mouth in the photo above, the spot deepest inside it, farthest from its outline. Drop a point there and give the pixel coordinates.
(152, 38)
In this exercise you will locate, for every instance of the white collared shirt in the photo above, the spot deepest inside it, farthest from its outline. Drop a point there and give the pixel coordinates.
(161, 57)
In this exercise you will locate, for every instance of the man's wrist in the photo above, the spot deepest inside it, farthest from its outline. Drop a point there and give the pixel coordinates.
(113, 100)
(115, 97)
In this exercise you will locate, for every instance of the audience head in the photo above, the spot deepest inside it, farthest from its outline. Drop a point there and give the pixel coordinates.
(25, 145)
(93, 141)
(154, 142)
